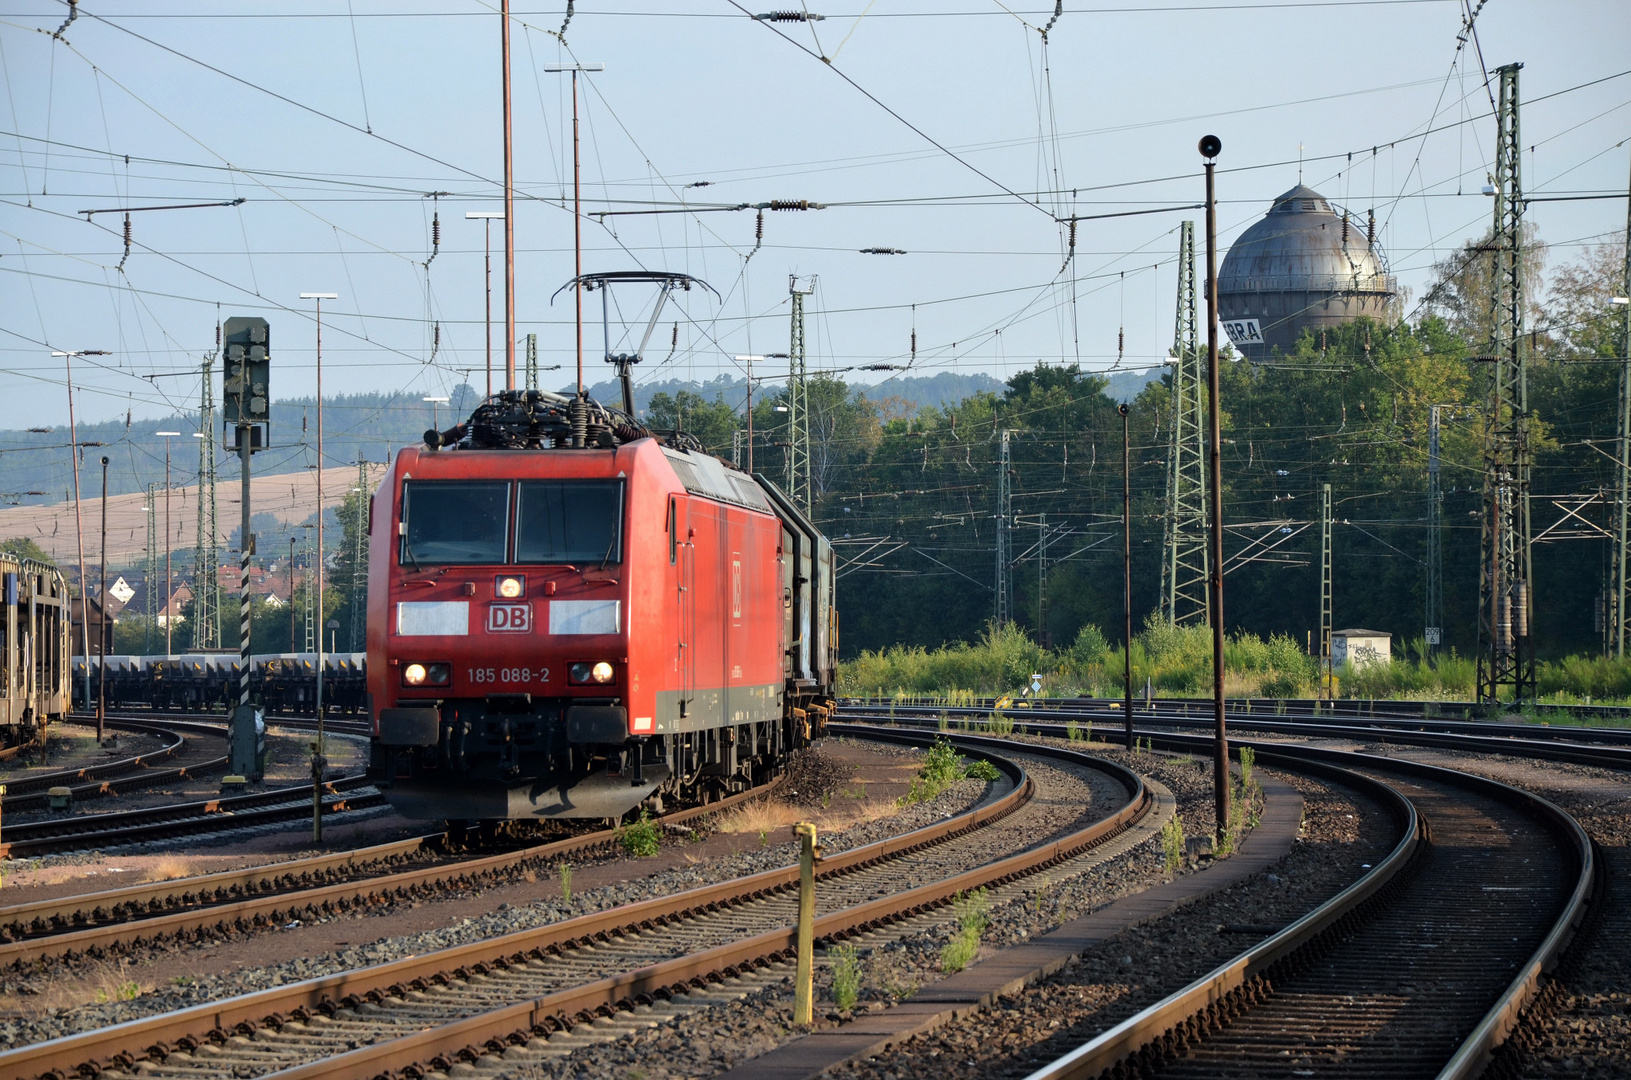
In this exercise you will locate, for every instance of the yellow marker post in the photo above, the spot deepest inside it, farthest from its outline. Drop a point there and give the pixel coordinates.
(803, 988)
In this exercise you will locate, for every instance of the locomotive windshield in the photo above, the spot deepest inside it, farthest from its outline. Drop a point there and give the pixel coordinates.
(570, 521)
(454, 521)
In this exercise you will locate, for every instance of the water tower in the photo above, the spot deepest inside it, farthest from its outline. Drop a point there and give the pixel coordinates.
(1304, 266)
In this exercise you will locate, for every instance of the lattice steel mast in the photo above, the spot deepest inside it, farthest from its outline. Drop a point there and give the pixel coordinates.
(207, 542)
(1506, 652)
(1433, 624)
(1326, 674)
(309, 590)
(1005, 514)
(150, 570)
(1618, 615)
(798, 403)
(1185, 562)
(358, 539)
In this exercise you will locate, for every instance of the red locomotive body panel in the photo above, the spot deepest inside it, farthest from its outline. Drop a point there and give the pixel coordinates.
(502, 583)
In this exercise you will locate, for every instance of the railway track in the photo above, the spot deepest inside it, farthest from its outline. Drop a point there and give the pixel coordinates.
(511, 994)
(1607, 747)
(81, 831)
(116, 921)
(1419, 969)
(109, 777)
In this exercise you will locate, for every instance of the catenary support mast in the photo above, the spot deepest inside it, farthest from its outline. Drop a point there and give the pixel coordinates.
(1506, 654)
(1185, 561)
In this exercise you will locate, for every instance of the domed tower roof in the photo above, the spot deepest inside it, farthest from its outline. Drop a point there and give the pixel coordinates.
(1302, 266)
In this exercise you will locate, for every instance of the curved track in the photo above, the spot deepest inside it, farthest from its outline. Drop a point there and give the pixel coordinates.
(462, 1002)
(1607, 747)
(1419, 969)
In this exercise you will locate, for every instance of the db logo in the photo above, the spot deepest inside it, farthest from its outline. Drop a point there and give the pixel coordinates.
(509, 618)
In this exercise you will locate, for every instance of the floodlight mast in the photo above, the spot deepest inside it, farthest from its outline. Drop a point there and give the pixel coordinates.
(319, 763)
(509, 212)
(79, 521)
(487, 217)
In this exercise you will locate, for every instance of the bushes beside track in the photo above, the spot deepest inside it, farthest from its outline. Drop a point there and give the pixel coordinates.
(1177, 662)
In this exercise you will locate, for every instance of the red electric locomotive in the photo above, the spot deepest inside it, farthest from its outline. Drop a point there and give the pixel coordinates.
(569, 615)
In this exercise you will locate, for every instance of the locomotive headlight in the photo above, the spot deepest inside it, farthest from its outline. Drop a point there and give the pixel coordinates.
(417, 674)
(510, 588)
(585, 672)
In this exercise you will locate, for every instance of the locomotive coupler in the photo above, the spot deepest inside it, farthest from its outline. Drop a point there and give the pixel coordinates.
(637, 749)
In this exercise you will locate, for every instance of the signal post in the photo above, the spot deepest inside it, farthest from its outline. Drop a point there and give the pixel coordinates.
(246, 411)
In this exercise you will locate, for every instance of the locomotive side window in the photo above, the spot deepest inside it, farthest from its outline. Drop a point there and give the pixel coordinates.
(454, 521)
(570, 521)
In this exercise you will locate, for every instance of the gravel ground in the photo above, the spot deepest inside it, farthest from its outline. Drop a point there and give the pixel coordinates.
(703, 1043)
(811, 784)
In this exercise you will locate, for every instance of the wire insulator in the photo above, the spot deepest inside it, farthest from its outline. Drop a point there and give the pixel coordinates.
(1072, 234)
(759, 228)
(786, 16)
(1370, 228)
(914, 346)
(1344, 229)
(435, 230)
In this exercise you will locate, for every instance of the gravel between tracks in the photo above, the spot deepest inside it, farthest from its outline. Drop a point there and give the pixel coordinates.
(703, 1043)
(814, 782)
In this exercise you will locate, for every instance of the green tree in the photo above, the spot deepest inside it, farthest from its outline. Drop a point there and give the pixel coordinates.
(24, 548)
(347, 589)
(712, 422)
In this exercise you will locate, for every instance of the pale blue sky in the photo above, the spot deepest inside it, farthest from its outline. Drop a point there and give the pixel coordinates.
(695, 91)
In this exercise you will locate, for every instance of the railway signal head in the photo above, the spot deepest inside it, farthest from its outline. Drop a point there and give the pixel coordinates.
(245, 375)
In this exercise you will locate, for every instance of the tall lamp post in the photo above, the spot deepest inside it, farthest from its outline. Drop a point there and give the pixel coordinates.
(1210, 147)
(318, 764)
(169, 589)
(101, 619)
(487, 217)
(1127, 572)
(79, 521)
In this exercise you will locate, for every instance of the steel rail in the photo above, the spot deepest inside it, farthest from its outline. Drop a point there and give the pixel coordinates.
(1180, 1015)
(181, 818)
(214, 724)
(1553, 747)
(218, 900)
(27, 790)
(1166, 710)
(1464, 711)
(158, 1036)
